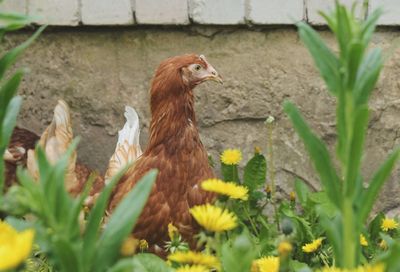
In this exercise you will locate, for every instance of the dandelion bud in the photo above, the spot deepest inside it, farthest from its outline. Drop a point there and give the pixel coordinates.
(172, 231)
(129, 246)
(284, 248)
(143, 245)
(257, 150)
(292, 196)
(383, 245)
(268, 191)
(287, 226)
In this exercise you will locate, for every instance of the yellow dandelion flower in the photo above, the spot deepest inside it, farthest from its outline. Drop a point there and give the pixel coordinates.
(231, 156)
(284, 248)
(363, 240)
(257, 150)
(266, 264)
(214, 218)
(129, 246)
(195, 258)
(143, 245)
(230, 189)
(193, 268)
(172, 231)
(15, 246)
(389, 224)
(313, 246)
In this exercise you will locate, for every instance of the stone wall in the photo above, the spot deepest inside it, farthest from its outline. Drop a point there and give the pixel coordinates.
(99, 71)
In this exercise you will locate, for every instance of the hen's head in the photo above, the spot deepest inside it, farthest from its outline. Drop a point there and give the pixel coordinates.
(188, 70)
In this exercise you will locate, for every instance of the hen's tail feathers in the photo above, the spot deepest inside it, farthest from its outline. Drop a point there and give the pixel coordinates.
(55, 141)
(128, 146)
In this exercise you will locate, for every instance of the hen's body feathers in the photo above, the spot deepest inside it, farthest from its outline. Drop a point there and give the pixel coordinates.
(175, 149)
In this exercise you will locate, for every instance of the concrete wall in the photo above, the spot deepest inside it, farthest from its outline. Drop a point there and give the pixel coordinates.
(99, 71)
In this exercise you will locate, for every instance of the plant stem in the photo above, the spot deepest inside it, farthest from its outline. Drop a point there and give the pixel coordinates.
(251, 221)
(349, 234)
(270, 130)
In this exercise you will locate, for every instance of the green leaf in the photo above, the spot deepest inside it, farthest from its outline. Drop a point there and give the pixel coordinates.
(356, 53)
(255, 172)
(367, 76)
(96, 216)
(237, 255)
(143, 262)
(376, 184)
(149, 263)
(355, 152)
(374, 227)
(10, 120)
(368, 26)
(302, 191)
(10, 57)
(318, 153)
(122, 222)
(325, 60)
(230, 172)
(66, 255)
(7, 92)
(333, 228)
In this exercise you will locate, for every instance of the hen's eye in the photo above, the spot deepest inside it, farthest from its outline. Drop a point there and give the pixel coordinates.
(197, 67)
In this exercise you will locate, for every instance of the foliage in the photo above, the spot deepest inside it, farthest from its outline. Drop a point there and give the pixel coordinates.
(350, 76)
(9, 103)
(249, 227)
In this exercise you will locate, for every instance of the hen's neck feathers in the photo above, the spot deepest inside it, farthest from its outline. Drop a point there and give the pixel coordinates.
(172, 108)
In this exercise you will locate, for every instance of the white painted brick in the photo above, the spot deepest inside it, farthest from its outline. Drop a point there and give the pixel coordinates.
(314, 6)
(275, 11)
(162, 12)
(391, 9)
(13, 6)
(54, 12)
(107, 12)
(223, 12)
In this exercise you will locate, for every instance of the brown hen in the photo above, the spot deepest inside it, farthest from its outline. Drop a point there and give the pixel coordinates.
(174, 148)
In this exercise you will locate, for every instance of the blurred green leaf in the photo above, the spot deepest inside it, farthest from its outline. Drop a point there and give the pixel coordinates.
(376, 184)
(238, 255)
(95, 218)
(318, 153)
(302, 191)
(324, 59)
(122, 222)
(356, 149)
(11, 56)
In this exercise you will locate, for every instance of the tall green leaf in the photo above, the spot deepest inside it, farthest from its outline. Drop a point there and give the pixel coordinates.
(376, 183)
(318, 153)
(121, 222)
(10, 57)
(95, 218)
(324, 59)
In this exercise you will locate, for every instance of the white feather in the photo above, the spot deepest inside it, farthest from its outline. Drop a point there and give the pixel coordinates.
(128, 148)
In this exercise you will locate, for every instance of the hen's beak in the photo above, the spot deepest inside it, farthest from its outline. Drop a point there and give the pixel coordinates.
(214, 76)
(218, 79)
